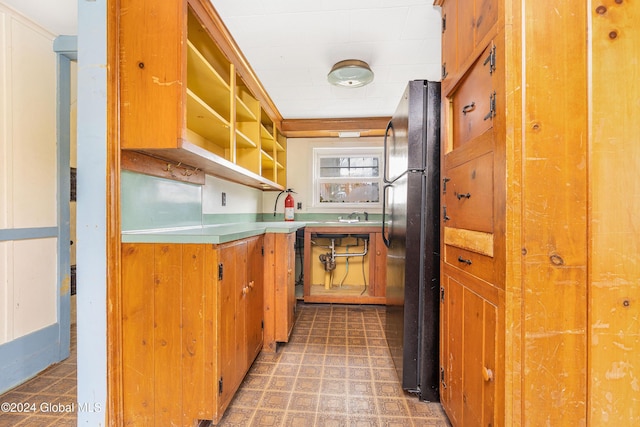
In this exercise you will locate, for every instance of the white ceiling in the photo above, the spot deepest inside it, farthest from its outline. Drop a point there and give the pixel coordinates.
(292, 45)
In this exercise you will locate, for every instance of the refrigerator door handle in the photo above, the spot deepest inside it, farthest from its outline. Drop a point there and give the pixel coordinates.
(385, 239)
(385, 172)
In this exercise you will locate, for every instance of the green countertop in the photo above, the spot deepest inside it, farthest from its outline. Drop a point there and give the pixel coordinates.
(223, 233)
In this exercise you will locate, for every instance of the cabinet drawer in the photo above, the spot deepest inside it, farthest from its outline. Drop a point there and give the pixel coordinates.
(481, 266)
(473, 103)
(468, 195)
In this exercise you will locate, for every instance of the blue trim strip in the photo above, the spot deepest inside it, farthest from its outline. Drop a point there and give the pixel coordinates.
(63, 116)
(66, 46)
(24, 357)
(7, 234)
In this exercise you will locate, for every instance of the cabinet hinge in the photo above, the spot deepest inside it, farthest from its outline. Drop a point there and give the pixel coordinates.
(444, 22)
(444, 184)
(492, 107)
(262, 324)
(220, 271)
(441, 293)
(220, 386)
(444, 384)
(262, 250)
(445, 217)
(491, 60)
(444, 70)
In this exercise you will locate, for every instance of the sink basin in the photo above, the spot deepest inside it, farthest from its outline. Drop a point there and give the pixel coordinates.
(350, 222)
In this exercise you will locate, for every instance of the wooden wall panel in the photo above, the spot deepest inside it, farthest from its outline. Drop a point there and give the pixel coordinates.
(193, 310)
(167, 301)
(614, 286)
(554, 213)
(138, 335)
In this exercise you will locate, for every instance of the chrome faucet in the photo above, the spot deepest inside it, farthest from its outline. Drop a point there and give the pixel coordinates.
(356, 215)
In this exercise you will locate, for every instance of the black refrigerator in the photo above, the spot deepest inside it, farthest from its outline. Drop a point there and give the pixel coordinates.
(411, 207)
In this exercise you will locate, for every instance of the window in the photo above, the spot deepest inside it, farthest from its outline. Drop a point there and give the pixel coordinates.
(347, 177)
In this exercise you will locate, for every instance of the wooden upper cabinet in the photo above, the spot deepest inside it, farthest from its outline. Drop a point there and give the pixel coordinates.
(449, 39)
(188, 99)
(151, 89)
(466, 30)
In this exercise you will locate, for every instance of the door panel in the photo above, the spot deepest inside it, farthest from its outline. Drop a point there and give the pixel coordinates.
(254, 298)
(227, 297)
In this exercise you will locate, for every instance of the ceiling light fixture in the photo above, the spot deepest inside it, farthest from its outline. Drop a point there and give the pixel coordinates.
(350, 73)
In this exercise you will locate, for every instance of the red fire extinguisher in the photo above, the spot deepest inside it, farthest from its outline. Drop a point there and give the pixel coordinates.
(288, 206)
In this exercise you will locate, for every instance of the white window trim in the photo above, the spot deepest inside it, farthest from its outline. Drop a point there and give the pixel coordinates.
(320, 152)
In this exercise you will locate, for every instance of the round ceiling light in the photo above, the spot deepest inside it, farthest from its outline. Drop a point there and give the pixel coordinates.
(350, 73)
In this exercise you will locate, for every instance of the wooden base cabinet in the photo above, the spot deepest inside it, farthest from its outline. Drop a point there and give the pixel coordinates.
(189, 326)
(280, 289)
(468, 355)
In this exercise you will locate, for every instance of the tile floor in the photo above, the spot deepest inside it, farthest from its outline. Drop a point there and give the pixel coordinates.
(52, 394)
(335, 371)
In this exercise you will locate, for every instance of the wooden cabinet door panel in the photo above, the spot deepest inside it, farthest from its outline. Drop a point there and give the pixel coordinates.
(449, 39)
(380, 268)
(472, 102)
(469, 195)
(455, 349)
(486, 15)
(285, 286)
(479, 265)
(291, 282)
(473, 324)
(137, 334)
(465, 29)
(254, 298)
(227, 340)
(489, 366)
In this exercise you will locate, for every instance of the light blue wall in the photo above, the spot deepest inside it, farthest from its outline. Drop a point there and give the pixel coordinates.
(92, 211)
(149, 202)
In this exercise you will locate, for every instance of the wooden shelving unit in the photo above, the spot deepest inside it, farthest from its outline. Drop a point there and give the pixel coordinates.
(195, 104)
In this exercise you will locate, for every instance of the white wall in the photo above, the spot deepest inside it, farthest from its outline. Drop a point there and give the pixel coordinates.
(300, 171)
(28, 176)
(240, 198)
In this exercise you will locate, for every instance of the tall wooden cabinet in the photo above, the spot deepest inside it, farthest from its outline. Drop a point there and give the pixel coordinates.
(280, 289)
(513, 229)
(191, 327)
(188, 96)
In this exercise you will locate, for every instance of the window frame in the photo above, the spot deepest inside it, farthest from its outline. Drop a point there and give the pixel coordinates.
(328, 152)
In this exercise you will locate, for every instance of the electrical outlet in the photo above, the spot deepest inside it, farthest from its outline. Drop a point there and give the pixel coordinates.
(299, 205)
(224, 199)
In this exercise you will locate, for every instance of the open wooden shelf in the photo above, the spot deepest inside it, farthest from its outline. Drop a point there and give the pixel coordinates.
(190, 96)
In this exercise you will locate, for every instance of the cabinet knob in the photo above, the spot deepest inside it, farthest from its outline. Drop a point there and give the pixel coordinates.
(487, 374)
(251, 284)
(245, 290)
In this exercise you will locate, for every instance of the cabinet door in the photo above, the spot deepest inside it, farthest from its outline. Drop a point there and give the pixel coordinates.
(285, 285)
(291, 279)
(449, 39)
(232, 356)
(468, 325)
(479, 360)
(254, 299)
(453, 348)
(379, 283)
